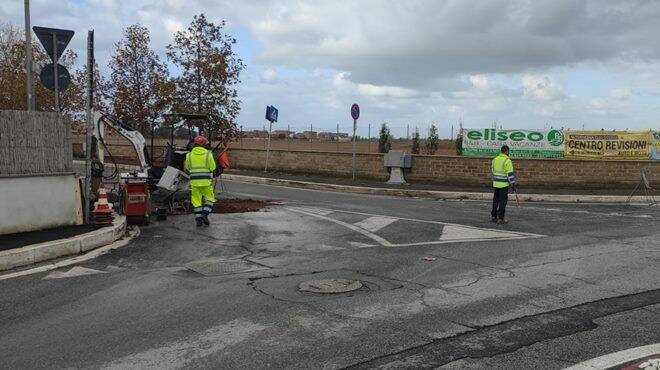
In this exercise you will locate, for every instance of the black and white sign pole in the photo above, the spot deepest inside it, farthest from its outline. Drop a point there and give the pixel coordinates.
(90, 122)
(355, 113)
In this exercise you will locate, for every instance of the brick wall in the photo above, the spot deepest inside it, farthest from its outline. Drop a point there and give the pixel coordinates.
(455, 170)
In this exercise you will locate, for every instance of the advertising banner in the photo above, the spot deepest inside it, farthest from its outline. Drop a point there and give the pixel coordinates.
(523, 143)
(655, 148)
(608, 145)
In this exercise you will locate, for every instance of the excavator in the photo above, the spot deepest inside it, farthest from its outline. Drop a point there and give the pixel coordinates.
(150, 189)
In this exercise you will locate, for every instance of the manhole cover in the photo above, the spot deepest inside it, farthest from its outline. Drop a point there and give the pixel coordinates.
(330, 286)
(214, 268)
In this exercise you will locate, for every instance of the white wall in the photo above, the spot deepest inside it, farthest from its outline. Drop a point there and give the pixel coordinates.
(38, 202)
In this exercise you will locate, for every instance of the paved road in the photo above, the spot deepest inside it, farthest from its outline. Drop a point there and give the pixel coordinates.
(441, 287)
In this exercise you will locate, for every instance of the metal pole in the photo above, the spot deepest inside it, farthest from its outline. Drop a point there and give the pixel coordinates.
(270, 128)
(354, 128)
(337, 138)
(369, 144)
(288, 137)
(28, 58)
(90, 123)
(55, 76)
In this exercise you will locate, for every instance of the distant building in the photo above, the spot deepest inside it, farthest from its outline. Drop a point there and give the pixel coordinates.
(255, 134)
(326, 136)
(282, 134)
(310, 135)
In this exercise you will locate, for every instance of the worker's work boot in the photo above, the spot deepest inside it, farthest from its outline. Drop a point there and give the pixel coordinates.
(493, 220)
(199, 222)
(205, 219)
(502, 221)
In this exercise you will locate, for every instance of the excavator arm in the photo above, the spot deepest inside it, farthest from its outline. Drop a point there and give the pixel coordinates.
(133, 136)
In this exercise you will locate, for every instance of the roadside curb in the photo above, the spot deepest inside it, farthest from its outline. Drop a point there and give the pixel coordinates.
(35, 253)
(433, 194)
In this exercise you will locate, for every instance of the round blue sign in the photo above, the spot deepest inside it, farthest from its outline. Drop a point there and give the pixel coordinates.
(355, 111)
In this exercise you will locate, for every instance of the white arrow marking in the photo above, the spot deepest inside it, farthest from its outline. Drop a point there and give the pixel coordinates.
(76, 271)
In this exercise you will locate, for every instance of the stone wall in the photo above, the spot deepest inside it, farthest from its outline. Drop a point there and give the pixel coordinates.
(34, 143)
(455, 170)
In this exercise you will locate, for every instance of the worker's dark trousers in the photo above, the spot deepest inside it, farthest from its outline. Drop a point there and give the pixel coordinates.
(500, 197)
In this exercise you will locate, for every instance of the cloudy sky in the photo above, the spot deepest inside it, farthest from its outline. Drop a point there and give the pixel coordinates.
(521, 63)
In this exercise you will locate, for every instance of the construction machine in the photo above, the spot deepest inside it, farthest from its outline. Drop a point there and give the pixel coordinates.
(149, 188)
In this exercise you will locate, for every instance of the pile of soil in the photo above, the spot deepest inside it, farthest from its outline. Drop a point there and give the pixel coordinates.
(240, 205)
(232, 205)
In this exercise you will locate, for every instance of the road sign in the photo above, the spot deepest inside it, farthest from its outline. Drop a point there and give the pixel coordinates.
(46, 35)
(48, 81)
(271, 113)
(355, 111)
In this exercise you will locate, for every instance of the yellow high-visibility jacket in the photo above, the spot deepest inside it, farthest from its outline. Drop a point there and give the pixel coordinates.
(200, 165)
(503, 174)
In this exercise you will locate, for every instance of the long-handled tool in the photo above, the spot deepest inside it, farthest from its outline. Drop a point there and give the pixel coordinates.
(515, 192)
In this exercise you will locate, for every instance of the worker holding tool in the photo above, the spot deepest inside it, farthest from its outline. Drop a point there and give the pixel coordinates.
(200, 164)
(503, 179)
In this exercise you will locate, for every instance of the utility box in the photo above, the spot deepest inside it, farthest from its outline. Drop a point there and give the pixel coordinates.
(396, 160)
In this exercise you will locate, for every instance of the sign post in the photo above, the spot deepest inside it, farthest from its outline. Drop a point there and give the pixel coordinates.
(90, 123)
(55, 42)
(271, 116)
(355, 113)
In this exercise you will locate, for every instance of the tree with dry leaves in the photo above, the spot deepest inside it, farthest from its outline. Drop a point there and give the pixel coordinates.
(139, 88)
(13, 94)
(210, 73)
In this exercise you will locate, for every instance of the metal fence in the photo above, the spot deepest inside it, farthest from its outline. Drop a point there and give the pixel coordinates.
(34, 143)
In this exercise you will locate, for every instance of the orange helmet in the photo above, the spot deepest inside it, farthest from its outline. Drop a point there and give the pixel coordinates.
(200, 140)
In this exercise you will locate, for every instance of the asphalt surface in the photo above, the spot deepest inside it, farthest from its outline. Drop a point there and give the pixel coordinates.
(441, 287)
(18, 240)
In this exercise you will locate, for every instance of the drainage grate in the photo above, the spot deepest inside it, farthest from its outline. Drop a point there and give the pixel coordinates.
(330, 286)
(215, 268)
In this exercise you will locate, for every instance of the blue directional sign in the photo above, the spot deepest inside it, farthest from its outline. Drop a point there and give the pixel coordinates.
(271, 113)
(355, 111)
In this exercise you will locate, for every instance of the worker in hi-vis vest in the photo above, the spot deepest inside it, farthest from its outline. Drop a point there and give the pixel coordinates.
(200, 165)
(503, 179)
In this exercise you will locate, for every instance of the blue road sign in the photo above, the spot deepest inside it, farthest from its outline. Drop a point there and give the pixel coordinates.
(271, 113)
(48, 81)
(355, 111)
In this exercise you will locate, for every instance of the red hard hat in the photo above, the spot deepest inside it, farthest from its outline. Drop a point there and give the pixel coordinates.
(200, 140)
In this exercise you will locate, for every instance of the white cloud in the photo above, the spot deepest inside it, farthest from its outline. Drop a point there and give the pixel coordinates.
(542, 88)
(269, 76)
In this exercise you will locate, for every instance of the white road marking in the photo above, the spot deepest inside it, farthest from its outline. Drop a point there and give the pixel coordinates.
(75, 271)
(530, 235)
(617, 358)
(361, 245)
(318, 211)
(375, 223)
(72, 261)
(364, 232)
(457, 233)
(453, 232)
(182, 352)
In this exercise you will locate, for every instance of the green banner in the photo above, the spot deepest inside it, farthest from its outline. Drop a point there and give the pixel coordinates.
(522, 143)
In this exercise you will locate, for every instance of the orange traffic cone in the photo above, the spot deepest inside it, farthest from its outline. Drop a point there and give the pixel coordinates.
(102, 213)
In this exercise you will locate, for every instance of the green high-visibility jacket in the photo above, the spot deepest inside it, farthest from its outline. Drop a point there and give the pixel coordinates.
(503, 174)
(200, 165)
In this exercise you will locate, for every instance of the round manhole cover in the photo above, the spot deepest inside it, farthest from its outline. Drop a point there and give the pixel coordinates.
(330, 286)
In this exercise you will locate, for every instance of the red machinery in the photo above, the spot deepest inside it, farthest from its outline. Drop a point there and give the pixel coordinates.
(135, 198)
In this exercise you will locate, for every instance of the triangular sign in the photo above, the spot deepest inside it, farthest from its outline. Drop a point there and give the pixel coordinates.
(45, 35)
